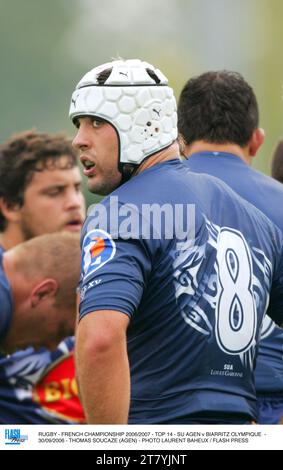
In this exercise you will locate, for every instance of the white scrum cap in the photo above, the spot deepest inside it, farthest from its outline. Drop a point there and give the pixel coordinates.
(136, 100)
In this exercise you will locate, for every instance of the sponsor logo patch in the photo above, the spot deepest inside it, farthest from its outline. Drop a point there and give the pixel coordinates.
(57, 391)
(98, 249)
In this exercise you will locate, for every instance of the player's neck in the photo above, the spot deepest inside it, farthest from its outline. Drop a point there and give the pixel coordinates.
(170, 153)
(201, 146)
(11, 237)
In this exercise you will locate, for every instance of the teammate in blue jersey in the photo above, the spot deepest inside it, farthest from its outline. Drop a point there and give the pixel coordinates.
(39, 386)
(172, 294)
(218, 121)
(277, 162)
(40, 188)
(37, 292)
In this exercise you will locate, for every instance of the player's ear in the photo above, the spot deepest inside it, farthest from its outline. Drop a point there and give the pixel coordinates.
(256, 141)
(182, 146)
(11, 213)
(44, 290)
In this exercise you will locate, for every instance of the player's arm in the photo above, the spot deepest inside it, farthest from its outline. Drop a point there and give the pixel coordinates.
(102, 367)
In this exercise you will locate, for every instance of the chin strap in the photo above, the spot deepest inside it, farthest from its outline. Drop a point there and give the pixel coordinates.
(127, 171)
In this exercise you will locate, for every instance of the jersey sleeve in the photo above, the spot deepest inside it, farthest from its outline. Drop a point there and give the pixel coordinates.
(114, 273)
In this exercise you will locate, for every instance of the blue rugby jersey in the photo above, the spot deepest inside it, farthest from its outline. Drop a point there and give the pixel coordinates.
(267, 195)
(36, 387)
(269, 365)
(195, 302)
(39, 387)
(261, 190)
(6, 302)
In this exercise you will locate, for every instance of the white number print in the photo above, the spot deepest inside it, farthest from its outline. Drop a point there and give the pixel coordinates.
(236, 319)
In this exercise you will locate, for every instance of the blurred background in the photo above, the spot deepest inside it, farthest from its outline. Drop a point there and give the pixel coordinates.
(46, 47)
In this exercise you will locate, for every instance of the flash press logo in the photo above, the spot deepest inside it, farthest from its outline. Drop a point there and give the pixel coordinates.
(13, 437)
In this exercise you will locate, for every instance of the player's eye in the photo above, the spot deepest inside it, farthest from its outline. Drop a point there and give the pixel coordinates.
(97, 122)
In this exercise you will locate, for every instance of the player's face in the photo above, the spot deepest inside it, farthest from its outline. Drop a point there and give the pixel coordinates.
(97, 142)
(53, 201)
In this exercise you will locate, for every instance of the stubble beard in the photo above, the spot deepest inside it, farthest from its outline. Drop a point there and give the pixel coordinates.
(105, 187)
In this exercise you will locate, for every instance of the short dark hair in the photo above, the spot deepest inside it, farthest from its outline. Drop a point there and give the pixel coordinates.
(277, 162)
(217, 107)
(102, 76)
(23, 155)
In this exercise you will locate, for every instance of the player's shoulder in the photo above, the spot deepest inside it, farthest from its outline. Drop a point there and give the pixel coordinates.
(267, 181)
(6, 301)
